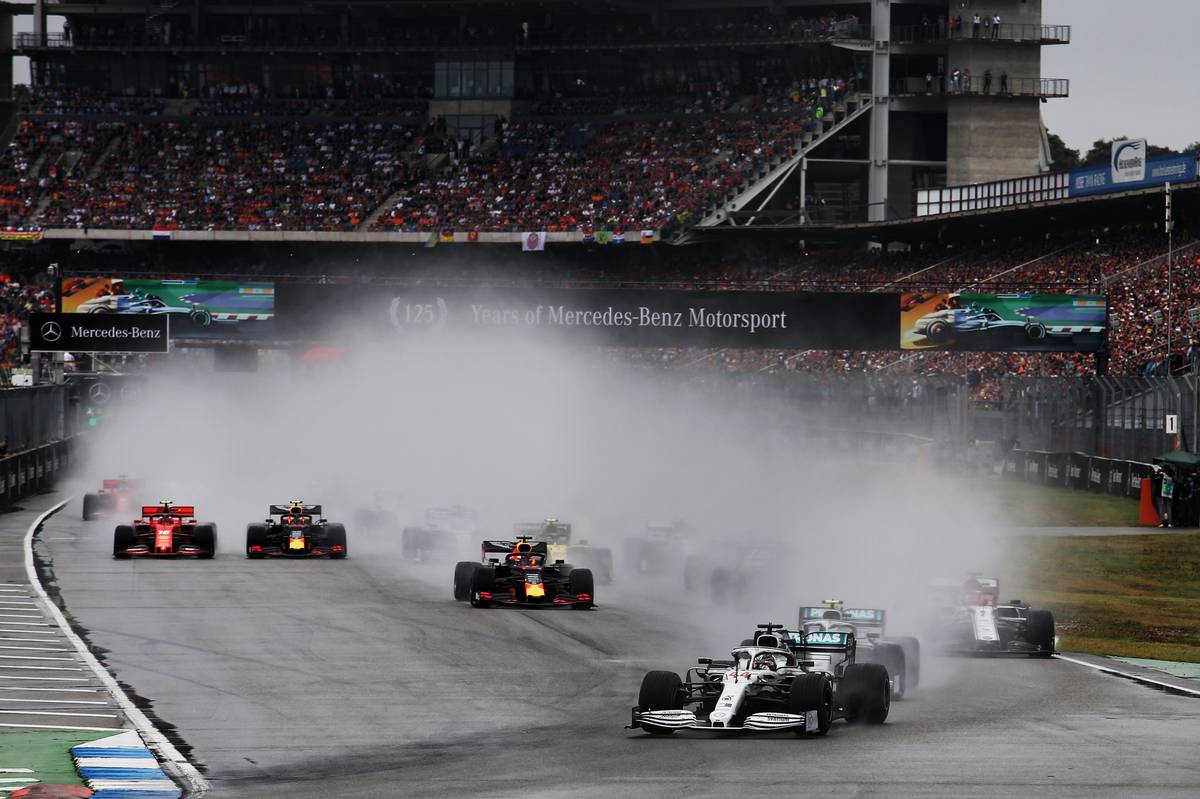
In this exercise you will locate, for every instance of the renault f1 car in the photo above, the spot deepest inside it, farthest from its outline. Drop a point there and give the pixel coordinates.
(967, 618)
(520, 572)
(298, 532)
(114, 496)
(901, 655)
(557, 536)
(165, 530)
(446, 532)
(783, 681)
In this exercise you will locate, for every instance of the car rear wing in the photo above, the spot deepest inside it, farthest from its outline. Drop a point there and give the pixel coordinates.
(506, 547)
(182, 511)
(295, 509)
(120, 483)
(822, 641)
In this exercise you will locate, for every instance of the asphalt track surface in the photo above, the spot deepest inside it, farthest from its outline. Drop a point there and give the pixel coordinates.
(364, 678)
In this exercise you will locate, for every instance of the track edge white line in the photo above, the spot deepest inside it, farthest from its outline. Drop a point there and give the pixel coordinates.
(1166, 686)
(176, 764)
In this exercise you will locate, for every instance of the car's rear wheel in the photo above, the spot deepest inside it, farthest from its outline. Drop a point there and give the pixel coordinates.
(865, 693)
(891, 656)
(205, 537)
(335, 539)
(463, 572)
(483, 581)
(123, 539)
(256, 536)
(1039, 631)
(938, 331)
(661, 690)
(812, 691)
(912, 661)
(91, 506)
(581, 583)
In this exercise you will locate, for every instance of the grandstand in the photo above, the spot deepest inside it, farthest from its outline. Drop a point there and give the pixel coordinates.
(783, 145)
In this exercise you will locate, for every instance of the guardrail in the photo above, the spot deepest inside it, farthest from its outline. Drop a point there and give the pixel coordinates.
(34, 470)
(1005, 32)
(980, 86)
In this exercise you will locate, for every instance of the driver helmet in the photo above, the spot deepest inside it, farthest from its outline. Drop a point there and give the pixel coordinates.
(764, 660)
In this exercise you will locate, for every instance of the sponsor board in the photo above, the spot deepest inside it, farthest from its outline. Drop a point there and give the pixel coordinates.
(64, 332)
(1154, 172)
(1129, 161)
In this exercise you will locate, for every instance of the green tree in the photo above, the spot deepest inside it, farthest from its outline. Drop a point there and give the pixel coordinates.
(1102, 150)
(1062, 157)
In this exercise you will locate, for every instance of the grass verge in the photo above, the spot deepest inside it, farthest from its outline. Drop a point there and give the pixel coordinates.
(1131, 596)
(1025, 505)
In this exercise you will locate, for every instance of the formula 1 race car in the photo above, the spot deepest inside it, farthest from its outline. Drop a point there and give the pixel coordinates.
(558, 536)
(965, 617)
(520, 572)
(114, 496)
(165, 530)
(784, 681)
(657, 549)
(299, 532)
(447, 531)
(901, 655)
(728, 578)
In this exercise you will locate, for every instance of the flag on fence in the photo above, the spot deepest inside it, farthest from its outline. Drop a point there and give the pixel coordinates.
(588, 236)
(160, 234)
(472, 236)
(603, 237)
(431, 240)
(533, 242)
(618, 237)
(447, 236)
(647, 237)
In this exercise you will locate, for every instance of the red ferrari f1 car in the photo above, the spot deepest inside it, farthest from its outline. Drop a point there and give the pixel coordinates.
(165, 530)
(114, 496)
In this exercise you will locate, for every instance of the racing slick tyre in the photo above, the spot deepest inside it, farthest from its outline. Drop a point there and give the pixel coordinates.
(1036, 331)
(256, 536)
(892, 658)
(483, 580)
(866, 693)
(463, 571)
(205, 537)
(335, 536)
(661, 690)
(91, 506)
(201, 317)
(580, 581)
(123, 538)
(912, 661)
(938, 331)
(1039, 631)
(812, 691)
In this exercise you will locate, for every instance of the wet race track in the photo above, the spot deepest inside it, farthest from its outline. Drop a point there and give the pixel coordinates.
(364, 678)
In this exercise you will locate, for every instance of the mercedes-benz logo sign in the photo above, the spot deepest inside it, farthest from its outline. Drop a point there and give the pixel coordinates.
(99, 392)
(51, 331)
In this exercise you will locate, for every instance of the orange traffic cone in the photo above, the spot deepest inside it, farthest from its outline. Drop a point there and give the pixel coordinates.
(1147, 513)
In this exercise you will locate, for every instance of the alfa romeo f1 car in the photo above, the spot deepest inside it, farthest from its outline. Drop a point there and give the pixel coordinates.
(967, 618)
(520, 573)
(557, 536)
(114, 496)
(447, 531)
(900, 655)
(783, 681)
(298, 532)
(165, 530)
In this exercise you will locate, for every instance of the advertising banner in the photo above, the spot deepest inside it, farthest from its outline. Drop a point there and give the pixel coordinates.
(213, 309)
(1124, 173)
(675, 318)
(1003, 322)
(62, 332)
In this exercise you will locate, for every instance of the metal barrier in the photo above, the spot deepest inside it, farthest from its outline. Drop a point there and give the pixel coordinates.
(30, 417)
(34, 470)
(1006, 32)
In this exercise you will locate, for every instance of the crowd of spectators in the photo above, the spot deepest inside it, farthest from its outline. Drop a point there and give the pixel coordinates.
(18, 298)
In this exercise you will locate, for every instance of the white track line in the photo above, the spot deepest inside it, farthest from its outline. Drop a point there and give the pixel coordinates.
(1131, 676)
(194, 784)
(32, 657)
(39, 668)
(53, 690)
(34, 648)
(54, 701)
(17, 616)
(58, 713)
(35, 641)
(56, 679)
(60, 727)
(28, 623)
(31, 632)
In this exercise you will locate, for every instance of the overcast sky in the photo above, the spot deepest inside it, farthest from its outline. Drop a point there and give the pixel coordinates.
(1133, 69)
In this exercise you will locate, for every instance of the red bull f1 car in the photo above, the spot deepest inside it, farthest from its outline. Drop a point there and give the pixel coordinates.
(114, 496)
(520, 572)
(296, 530)
(165, 530)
